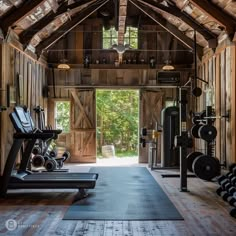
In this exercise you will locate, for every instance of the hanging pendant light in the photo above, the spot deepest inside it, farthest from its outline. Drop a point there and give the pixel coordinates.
(63, 66)
(63, 63)
(168, 66)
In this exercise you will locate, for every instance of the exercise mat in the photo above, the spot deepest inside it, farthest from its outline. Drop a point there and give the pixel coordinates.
(124, 193)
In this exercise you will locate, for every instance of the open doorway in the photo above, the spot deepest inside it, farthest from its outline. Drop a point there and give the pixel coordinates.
(117, 125)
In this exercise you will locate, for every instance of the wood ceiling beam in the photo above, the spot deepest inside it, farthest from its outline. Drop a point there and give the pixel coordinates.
(17, 13)
(68, 26)
(217, 14)
(28, 34)
(185, 17)
(122, 20)
(186, 41)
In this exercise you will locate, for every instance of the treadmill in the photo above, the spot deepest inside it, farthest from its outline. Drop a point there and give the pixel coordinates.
(24, 179)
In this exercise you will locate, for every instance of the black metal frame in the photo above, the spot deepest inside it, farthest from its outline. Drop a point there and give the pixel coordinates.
(23, 179)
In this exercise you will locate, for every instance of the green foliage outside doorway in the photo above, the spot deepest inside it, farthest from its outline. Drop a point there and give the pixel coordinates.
(118, 121)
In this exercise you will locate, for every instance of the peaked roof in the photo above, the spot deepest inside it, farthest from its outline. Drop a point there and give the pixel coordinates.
(40, 23)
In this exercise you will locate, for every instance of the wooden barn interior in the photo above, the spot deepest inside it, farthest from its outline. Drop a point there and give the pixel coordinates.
(168, 50)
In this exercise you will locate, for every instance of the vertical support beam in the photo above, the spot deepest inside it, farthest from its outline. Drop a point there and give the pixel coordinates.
(233, 103)
(228, 101)
(4, 76)
(218, 104)
(184, 139)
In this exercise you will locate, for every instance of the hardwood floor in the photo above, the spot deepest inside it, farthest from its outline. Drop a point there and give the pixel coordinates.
(41, 213)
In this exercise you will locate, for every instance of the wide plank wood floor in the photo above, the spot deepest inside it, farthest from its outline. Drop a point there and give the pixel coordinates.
(41, 213)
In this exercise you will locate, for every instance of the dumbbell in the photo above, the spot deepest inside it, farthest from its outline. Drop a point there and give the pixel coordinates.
(223, 181)
(53, 153)
(226, 196)
(232, 168)
(66, 155)
(232, 178)
(38, 161)
(51, 165)
(233, 212)
(226, 185)
(36, 150)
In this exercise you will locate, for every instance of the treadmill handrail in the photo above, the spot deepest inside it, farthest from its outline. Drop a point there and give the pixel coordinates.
(57, 131)
(42, 136)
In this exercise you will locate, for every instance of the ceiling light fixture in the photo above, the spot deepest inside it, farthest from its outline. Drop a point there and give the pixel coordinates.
(63, 65)
(168, 66)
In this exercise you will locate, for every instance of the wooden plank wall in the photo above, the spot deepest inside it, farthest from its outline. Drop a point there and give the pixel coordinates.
(75, 77)
(104, 77)
(19, 70)
(218, 69)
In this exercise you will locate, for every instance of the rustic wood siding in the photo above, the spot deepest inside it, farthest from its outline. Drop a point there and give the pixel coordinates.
(15, 65)
(218, 69)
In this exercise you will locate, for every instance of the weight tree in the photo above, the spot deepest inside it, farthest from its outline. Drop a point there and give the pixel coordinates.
(183, 141)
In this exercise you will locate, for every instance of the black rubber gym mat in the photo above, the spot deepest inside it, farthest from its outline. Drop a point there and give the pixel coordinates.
(124, 193)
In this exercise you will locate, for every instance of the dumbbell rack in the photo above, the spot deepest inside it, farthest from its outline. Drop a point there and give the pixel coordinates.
(227, 189)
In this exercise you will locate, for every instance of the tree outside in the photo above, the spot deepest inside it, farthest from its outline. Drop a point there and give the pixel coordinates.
(62, 116)
(118, 121)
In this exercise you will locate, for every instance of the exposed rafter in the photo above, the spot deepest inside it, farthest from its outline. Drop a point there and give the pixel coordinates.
(217, 14)
(174, 10)
(17, 14)
(28, 34)
(68, 26)
(122, 21)
(168, 26)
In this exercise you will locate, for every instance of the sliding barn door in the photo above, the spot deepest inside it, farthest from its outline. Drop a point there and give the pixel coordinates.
(83, 126)
(150, 113)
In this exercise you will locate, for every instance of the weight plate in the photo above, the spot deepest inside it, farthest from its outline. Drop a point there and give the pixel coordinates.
(206, 167)
(144, 132)
(197, 92)
(203, 114)
(194, 130)
(190, 159)
(207, 133)
(196, 120)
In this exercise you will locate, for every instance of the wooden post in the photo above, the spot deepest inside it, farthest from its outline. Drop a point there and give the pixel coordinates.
(218, 104)
(233, 103)
(4, 128)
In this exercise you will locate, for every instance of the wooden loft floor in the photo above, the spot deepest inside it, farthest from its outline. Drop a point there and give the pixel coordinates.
(41, 214)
